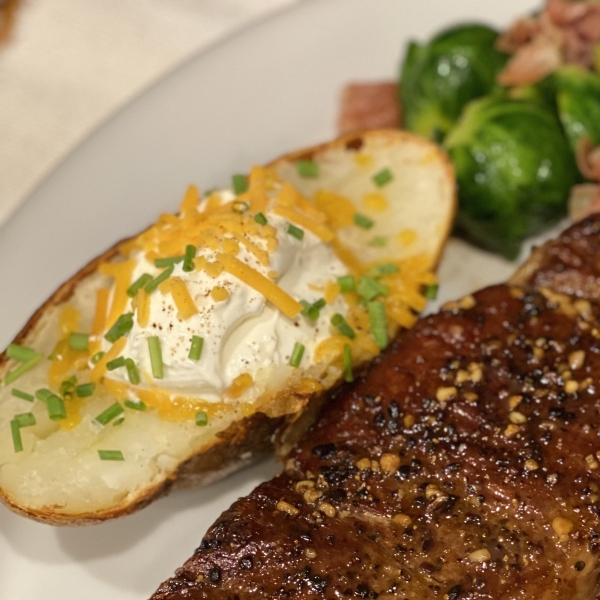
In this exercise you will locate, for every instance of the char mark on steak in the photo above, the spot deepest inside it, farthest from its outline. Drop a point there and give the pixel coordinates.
(463, 465)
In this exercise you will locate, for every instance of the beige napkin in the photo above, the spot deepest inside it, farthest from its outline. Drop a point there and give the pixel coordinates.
(69, 64)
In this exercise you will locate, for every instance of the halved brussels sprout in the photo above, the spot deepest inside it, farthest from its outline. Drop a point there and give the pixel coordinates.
(514, 169)
(439, 78)
(578, 103)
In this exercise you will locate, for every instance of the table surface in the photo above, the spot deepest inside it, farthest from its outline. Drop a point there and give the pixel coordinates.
(68, 65)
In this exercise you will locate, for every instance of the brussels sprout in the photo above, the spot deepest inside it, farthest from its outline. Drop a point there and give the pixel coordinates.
(439, 78)
(514, 169)
(578, 103)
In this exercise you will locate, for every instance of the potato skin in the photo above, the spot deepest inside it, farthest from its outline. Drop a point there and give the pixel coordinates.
(285, 417)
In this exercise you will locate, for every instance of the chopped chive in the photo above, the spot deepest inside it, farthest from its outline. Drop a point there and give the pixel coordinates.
(384, 176)
(201, 419)
(43, 394)
(23, 368)
(188, 261)
(368, 289)
(56, 408)
(348, 374)
(239, 184)
(114, 410)
(167, 261)
(196, 348)
(378, 319)
(16, 436)
(110, 455)
(155, 356)
(312, 311)
(135, 405)
(383, 269)
(431, 291)
(307, 168)
(347, 283)
(20, 353)
(132, 371)
(25, 419)
(260, 218)
(111, 365)
(297, 353)
(55, 404)
(295, 231)
(85, 390)
(67, 387)
(118, 422)
(152, 285)
(79, 341)
(363, 221)
(97, 358)
(22, 395)
(309, 311)
(121, 327)
(139, 283)
(342, 326)
(379, 241)
(240, 207)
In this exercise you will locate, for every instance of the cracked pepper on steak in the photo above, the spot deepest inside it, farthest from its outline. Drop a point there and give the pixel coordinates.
(464, 464)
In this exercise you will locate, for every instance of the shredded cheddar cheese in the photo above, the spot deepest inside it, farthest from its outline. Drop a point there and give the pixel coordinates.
(270, 290)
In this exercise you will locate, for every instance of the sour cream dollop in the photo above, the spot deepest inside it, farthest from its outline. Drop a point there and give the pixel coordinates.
(243, 333)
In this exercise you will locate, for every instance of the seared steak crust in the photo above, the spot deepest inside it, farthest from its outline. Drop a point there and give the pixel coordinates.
(464, 464)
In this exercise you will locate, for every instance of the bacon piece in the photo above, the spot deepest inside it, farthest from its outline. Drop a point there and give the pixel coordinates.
(588, 159)
(517, 35)
(564, 33)
(532, 62)
(369, 106)
(584, 200)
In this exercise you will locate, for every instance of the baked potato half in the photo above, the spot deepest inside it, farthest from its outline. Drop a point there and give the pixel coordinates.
(178, 355)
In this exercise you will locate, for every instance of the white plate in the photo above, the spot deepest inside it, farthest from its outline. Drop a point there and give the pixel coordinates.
(269, 89)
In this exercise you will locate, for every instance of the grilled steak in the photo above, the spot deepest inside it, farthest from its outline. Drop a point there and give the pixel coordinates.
(464, 464)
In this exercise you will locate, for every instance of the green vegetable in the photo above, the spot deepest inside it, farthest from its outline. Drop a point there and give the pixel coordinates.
(578, 103)
(201, 419)
(196, 347)
(383, 177)
(260, 218)
(16, 436)
(347, 283)
(307, 168)
(110, 455)
(342, 326)
(363, 221)
(239, 183)
(439, 78)
(297, 353)
(22, 395)
(121, 327)
(20, 353)
(110, 413)
(514, 170)
(347, 363)
(378, 320)
(79, 341)
(155, 352)
(137, 405)
(295, 231)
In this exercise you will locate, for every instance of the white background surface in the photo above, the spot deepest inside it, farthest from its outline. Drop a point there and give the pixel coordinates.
(69, 64)
(265, 91)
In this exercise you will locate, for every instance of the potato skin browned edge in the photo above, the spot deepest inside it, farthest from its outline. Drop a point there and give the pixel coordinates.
(243, 442)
